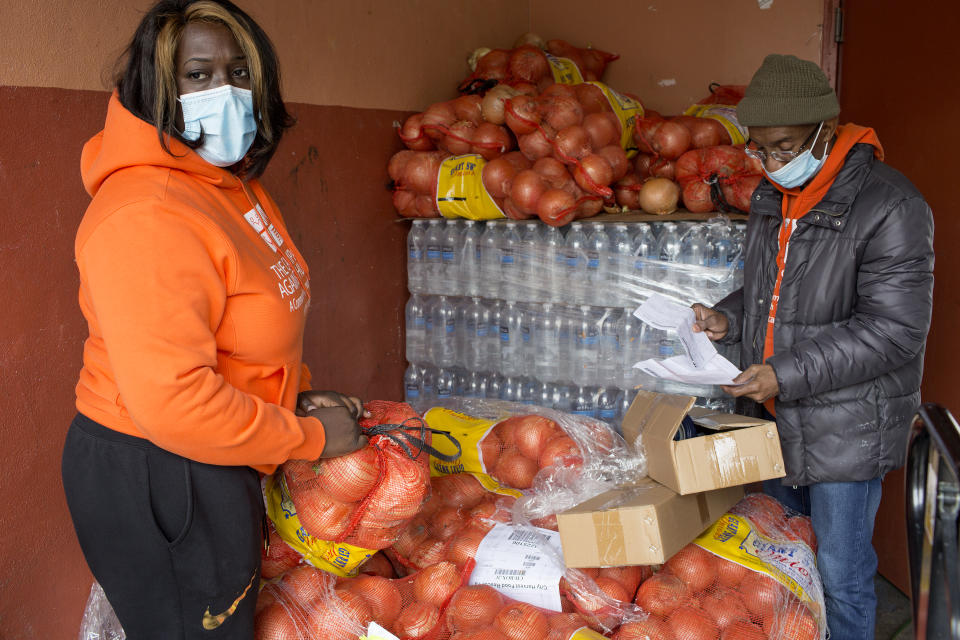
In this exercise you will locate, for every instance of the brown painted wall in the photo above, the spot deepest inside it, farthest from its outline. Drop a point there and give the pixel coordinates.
(690, 43)
(367, 53)
(909, 94)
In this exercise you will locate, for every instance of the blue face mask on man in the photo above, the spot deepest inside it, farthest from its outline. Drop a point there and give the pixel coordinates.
(225, 115)
(801, 169)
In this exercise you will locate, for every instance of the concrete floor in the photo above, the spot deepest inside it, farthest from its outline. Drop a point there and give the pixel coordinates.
(893, 612)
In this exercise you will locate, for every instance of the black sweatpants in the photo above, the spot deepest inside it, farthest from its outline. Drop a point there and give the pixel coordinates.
(174, 543)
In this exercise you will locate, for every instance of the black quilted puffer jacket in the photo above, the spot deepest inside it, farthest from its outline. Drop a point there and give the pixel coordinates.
(851, 322)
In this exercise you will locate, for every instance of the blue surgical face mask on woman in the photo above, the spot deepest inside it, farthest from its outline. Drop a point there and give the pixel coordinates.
(799, 170)
(225, 115)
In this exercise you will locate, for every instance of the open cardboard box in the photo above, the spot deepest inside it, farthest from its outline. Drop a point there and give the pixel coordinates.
(645, 523)
(742, 449)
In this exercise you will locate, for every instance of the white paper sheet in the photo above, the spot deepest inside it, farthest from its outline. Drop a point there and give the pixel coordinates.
(702, 364)
(513, 561)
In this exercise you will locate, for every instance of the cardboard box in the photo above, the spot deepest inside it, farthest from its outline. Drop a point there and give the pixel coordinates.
(644, 523)
(742, 450)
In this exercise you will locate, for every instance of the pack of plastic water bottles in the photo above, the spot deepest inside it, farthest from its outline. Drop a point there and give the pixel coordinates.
(529, 313)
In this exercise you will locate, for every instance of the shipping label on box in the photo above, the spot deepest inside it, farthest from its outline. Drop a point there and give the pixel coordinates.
(739, 451)
(639, 524)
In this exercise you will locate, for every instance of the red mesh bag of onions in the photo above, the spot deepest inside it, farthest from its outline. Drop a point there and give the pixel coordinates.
(533, 64)
(751, 576)
(718, 178)
(337, 511)
(457, 126)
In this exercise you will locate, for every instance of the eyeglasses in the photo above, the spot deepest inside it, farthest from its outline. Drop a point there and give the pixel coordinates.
(783, 156)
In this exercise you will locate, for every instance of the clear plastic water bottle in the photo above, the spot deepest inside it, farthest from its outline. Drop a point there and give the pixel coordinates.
(470, 258)
(694, 255)
(528, 320)
(433, 264)
(429, 341)
(528, 390)
(620, 265)
(546, 344)
(492, 357)
(490, 261)
(416, 241)
(531, 278)
(510, 274)
(428, 395)
(668, 255)
(416, 329)
(608, 405)
(461, 305)
(566, 318)
(475, 385)
(510, 391)
(412, 385)
(575, 270)
(476, 326)
(450, 258)
(645, 268)
(444, 333)
(552, 263)
(633, 347)
(585, 402)
(494, 386)
(445, 384)
(511, 339)
(566, 394)
(586, 347)
(598, 257)
(609, 367)
(722, 260)
(546, 394)
(666, 342)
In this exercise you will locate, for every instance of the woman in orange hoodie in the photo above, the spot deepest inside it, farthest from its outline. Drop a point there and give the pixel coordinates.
(196, 300)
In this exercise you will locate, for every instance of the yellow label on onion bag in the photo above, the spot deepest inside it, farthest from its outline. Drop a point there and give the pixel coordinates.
(627, 110)
(565, 70)
(468, 431)
(460, 190)
(334, 557)
(791, 564)
(725, 115)
(586, 633)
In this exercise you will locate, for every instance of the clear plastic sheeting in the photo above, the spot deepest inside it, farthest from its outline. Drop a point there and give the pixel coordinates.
(529, 313)
(601, 264)
(99, 621)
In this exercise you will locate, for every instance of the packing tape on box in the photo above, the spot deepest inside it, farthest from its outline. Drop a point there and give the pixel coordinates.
(611, 542)
(730, 467)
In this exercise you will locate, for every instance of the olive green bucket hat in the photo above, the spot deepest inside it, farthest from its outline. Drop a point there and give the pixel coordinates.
(787, 91)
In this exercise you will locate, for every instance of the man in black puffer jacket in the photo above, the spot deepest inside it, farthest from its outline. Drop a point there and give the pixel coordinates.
(832, 318)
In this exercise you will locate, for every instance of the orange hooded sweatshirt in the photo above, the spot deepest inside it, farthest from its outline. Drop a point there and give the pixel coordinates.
(797, 202)
(195, 299)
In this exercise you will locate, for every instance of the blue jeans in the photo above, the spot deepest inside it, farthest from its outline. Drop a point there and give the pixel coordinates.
(842, 514)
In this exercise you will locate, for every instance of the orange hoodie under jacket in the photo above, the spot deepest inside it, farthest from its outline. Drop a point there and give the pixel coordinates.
(196, 300)
(797, 202)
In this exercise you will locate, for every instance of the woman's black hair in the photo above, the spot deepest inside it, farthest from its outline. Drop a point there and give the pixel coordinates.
(138, 85)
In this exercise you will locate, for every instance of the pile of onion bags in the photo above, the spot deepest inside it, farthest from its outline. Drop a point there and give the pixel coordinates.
(700, 594)
(604, 596)
(303, 603)
(367, 497)
(573, 139)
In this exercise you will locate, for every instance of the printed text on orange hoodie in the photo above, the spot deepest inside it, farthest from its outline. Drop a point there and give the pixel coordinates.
(196, 301)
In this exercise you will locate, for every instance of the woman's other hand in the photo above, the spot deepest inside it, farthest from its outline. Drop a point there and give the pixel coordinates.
(309, 400)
